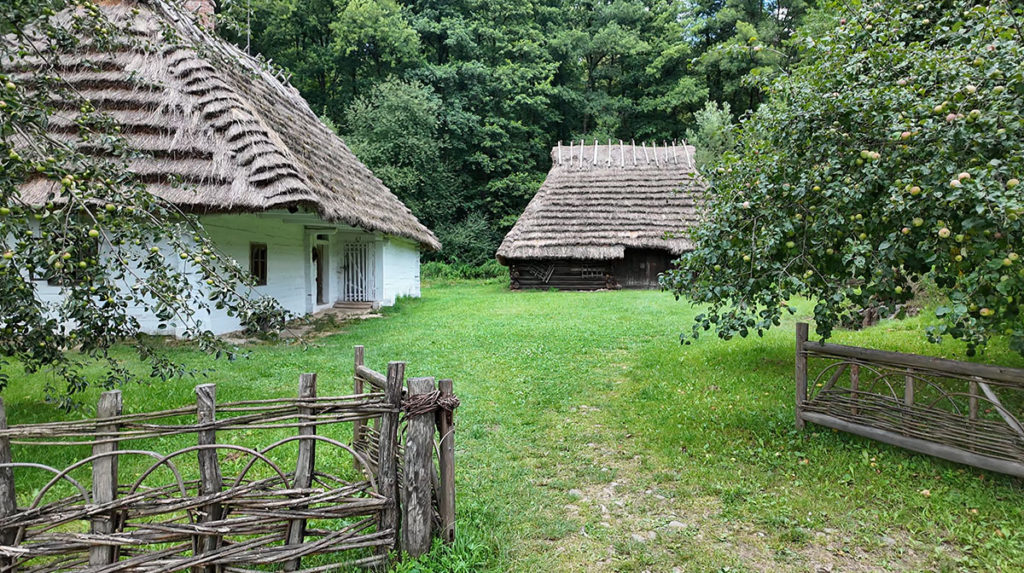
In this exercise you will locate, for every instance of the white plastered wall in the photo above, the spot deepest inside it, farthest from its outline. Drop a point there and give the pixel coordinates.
(400, 270)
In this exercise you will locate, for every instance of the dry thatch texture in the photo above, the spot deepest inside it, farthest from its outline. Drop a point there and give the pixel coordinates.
(222, 132)
(599, 200)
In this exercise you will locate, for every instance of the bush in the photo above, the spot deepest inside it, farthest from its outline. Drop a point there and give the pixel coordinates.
(437, 270)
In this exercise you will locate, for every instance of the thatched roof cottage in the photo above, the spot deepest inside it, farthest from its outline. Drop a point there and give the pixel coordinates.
(226, 138)
(607, 216)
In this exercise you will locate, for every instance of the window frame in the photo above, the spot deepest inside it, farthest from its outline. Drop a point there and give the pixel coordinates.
(258, 257)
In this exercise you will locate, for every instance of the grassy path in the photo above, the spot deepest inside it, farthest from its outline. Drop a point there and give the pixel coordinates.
(589, 439)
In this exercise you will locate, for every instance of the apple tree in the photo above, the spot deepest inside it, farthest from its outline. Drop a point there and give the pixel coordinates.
(99, 239)
(892, 153)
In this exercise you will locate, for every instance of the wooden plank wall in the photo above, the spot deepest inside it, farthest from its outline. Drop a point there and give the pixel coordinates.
(638, 270)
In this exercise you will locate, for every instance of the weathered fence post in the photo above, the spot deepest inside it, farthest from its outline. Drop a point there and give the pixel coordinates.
(104, 477)
(8, 501)
(210, 480)
(357, 389)
(854, 387)
(908, 388)
(387, 466)
(446, 464)
(972, 400)
(801, 373)
(417, 471)
(305, 464)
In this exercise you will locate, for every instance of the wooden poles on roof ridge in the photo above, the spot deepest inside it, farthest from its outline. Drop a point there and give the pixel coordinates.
(579, 156)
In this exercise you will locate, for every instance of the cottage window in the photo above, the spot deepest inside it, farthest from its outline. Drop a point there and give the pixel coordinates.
(258, 262)
(592, 273)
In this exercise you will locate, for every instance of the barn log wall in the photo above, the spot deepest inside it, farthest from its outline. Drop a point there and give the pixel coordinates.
(561, 274)
(638, 270)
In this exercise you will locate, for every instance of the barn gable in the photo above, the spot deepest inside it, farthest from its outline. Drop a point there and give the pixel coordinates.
(606, 216)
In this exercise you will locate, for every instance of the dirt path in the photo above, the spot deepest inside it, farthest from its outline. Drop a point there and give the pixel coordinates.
(629, 519)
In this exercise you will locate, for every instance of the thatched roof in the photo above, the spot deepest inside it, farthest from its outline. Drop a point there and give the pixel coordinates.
(599, 200)
(222, 132)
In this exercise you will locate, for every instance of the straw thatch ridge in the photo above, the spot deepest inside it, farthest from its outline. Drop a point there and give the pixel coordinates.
(222, 132)
(598, 200)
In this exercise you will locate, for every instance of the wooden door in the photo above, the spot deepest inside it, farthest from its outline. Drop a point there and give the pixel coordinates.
(355, 272)
(319, 269)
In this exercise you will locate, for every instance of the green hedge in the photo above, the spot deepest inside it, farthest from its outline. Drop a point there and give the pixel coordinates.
(436, 270)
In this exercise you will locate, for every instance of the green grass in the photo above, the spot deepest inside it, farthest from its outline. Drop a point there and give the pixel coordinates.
(590, 439)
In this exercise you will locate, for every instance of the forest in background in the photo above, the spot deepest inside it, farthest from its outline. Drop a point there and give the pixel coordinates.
(456, 104)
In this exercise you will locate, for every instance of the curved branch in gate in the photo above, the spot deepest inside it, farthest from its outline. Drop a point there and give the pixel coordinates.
(359, 457)
(165, 459)
(74, 482)
(90, 459)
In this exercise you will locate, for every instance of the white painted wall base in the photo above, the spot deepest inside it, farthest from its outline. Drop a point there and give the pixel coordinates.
(393, 265)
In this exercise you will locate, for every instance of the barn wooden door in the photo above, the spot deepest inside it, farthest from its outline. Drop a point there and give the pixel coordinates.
(355, 273)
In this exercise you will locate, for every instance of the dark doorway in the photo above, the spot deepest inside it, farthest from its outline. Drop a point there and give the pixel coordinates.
(319, 262)
(640, 268)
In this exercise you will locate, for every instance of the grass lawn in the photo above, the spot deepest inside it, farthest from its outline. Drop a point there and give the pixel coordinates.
(589, 439)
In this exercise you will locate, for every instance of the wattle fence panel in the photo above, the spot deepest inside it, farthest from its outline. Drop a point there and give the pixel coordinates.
(232, 487)
(960, 411)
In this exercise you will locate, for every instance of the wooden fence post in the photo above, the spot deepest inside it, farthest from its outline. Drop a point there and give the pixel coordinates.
(417, 471)
(908, 388)
(104, 477)
(357, 389)
(305, 464)
(801, 373)
(8, 501)
(387, 467)
(210, 480)
(446, 465)
(854, 387)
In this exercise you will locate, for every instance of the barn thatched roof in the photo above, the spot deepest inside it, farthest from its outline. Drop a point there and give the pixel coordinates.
(599, 200)
(222, 132)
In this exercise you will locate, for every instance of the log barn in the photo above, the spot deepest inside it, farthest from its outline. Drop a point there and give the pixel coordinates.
(607, 217)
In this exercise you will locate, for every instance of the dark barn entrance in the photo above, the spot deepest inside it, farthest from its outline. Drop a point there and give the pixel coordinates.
(640, 268)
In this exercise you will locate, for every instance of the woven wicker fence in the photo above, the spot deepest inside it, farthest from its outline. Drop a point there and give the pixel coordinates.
(231, 487)
(960, 411)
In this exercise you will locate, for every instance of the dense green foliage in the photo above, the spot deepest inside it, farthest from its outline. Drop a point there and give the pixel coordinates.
(583, 424)
(891, 154)
(94, 237)
(456, 104)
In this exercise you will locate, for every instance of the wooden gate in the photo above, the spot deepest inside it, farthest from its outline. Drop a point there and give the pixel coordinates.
(246, 485)
(356, 273)
(960, 411)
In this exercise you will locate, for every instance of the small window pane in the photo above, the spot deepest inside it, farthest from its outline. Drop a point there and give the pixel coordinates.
(258, 262)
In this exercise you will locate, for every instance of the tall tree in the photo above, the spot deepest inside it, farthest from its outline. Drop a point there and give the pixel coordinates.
(739, 40)
(75, 218)
(892, 154)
